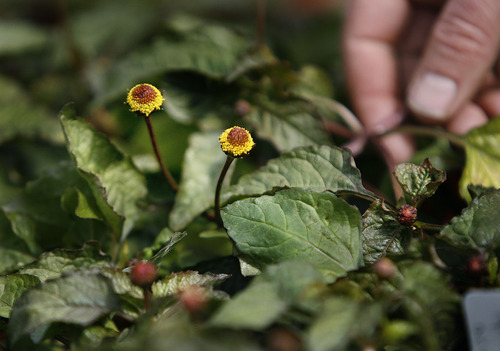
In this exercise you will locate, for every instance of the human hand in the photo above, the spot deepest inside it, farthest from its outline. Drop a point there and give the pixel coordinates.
(434, 57)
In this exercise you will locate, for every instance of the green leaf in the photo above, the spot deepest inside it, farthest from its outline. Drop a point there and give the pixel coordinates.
(11, 287)
(174, 239)
(130, 296)
(87, 207)
(478, 226)
(482, 151)
(431, 304)
(131, 20)
(295, 223)
(80, 299)
(115, 182)
(20, 117)
(380, 226)
(36, 213)
(13, 250)
(13, 258)
(299, 283)
(53, 264)
(42, 215)
(334, 327)
(254, 308)
(294, 284)
(332, 111)
(202, 166)
(191, 98)
(312, 82)
(492, 269)
(255, 58)
(476, 190)
(176, 282)
(178, 332)
(419, 182)
(19, 37)
(121, 283)
(93, 336)
(287, 124)
(24, 227)
(78, 199)
(161, 240)
(208, 49)
(318, 168)
(441, 153)
(247, 270)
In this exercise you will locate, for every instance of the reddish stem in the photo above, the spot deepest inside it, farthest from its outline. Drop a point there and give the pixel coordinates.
(164, 170)
(228, 162)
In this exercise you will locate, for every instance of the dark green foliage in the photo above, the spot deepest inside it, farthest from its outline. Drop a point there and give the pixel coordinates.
(294, 263)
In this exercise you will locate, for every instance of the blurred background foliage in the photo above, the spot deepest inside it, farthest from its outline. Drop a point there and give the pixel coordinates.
(53, 52)
(215, 71)
(204, 55)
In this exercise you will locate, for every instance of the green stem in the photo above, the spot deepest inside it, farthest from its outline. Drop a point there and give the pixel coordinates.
(118, 251)
(390, 242)
(147, 298)
(225, 168)
(164, 170)
(429, 131)
(428, 226)
(116, 248)
(435, 259)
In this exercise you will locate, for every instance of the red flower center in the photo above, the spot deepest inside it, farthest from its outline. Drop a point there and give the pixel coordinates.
(237, 136)
(144, 94)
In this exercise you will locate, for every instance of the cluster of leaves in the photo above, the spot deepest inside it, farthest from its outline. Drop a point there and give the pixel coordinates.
(297, 262)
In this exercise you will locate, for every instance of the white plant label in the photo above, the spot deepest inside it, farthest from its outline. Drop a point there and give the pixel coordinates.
(482, 315)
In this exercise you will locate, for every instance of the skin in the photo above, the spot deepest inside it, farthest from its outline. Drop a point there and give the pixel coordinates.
(392, 46)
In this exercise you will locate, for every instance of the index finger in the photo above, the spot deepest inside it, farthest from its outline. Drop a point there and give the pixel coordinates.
(371, 32)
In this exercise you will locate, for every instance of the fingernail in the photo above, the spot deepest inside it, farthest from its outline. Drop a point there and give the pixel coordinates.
(432, 95)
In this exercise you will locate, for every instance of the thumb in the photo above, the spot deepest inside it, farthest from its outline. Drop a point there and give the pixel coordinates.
(462, 48)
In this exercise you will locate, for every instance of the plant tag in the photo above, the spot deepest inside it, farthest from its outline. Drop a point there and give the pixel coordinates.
(482, 315)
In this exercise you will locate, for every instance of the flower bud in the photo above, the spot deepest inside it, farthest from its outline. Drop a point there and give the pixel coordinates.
(407, 215)
(384, 268)
(476, 266)
(194, 298)
(143, 274)
(283, 339)
(242, 107)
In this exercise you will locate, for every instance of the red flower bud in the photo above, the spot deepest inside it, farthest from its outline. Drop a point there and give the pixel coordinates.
(476, 266)
(194, 298)
(143, 274)
(384, 268)
(407, 215)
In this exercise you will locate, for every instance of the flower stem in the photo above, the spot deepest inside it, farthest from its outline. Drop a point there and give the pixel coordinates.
(429, 131)
(164, 170)
(225, 168)
(147, 298)
(428, 226)
(390, 242)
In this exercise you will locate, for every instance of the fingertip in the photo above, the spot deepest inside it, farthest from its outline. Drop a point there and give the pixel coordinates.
(490, 102)
(430, 97)
(469, 117)
(461, 49)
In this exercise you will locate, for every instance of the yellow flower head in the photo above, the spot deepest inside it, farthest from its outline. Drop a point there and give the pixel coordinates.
(236, 141)
(144, 98)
